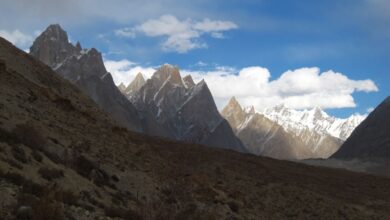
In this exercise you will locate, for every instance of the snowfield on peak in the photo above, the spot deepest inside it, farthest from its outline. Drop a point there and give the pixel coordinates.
(315, 119)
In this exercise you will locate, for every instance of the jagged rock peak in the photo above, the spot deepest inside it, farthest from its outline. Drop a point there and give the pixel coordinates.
(188, 81)
(139, 77)
(279, 107)
(52, 47)
(136, 84)
(250, 110)
(56, 31)
(78, 46)
(233, 104)
(122, 87)
(168, 72)
(318, 113)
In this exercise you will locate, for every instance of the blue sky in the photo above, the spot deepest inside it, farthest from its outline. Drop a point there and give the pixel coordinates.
(217, 38)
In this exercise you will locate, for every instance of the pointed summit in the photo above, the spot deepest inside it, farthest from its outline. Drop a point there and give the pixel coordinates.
(122, 87)
(78, 47)
(168, 72)
(250, 110)
(52, 47)
(318, 114)
(136, 84)
(233, 112)
(233, 103)
(188, 82)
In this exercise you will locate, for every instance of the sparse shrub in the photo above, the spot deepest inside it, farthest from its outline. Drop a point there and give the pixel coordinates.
(19, 154)
(47, 208)
(14, 163)
(83, 166)
(29, 136)
(67, 197)
(14, 178)
(234, 206)
(32, 188)
(8, 137)
(50, 173)
(53, 157)
(115, 178)
(90, 170)
(128, 214)
(64, 104)
(118, 129)
(28, 186)
(36, 155)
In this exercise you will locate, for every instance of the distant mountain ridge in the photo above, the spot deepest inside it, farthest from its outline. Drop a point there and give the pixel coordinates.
(315, 119)
(285, 133)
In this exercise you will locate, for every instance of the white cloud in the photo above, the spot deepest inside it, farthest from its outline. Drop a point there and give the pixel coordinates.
(124, 71)
(208, 25)
(299, 89)
(180, 35)
(17, 37)
(125, 32)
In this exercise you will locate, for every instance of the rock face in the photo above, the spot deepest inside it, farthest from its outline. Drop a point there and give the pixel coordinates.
(135, 85)
(261, 136)
(183, 111)
(85, 68)
(371, 139)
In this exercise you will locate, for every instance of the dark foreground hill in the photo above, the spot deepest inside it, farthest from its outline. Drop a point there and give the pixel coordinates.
(63, 158)
(371, 139)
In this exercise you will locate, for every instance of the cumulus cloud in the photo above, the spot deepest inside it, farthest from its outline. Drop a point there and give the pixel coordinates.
(125, 32)
(124, 71)
(299, 89)
(17, 37)
(180, 35)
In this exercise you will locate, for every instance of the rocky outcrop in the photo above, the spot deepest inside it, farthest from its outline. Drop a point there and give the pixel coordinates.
(183, 110)
(85, 68)
(371, 139)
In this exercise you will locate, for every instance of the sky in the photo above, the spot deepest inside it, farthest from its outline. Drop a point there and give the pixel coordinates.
(331, 54)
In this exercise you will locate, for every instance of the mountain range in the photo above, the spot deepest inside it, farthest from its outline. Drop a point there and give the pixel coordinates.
(63, 157)
(284, 133)
(183, 110)
(165, 105)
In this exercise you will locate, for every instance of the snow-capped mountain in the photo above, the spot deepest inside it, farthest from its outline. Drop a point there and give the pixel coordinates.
(315, 120)
(280, 135)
